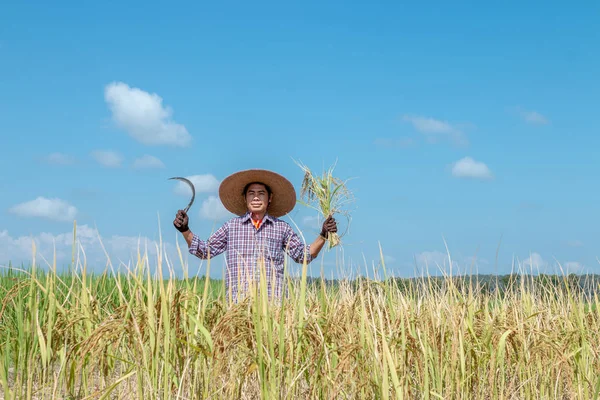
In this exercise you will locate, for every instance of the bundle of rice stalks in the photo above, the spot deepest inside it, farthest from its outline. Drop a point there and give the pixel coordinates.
(327, 195)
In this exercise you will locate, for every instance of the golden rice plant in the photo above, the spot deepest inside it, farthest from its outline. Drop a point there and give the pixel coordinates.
(327, 194)
(137, 334)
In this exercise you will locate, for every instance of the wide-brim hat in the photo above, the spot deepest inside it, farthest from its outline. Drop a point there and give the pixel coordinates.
(231, 191)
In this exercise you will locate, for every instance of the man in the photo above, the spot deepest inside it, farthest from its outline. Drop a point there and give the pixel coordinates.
(256, 238)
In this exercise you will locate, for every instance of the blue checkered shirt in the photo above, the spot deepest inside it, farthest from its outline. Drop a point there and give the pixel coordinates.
(247, 246)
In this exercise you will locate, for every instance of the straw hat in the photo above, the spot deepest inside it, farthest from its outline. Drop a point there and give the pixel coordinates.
(231, 191)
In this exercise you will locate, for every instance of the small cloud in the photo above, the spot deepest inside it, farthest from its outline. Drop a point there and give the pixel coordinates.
(535, 261)
(107, 158)
(473, 261)
(431, 257)
(59, 159)
(435, 129)
(143, 116)
(437, 261)
(572, 267)
(18, 249)
(430, 261)
(205, 183)
(533, 117)
(147, 162)
(469, 168)
(394, 143)
(41, 207)
(212, 209)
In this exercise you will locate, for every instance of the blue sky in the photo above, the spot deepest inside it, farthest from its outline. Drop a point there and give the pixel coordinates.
(459, 122)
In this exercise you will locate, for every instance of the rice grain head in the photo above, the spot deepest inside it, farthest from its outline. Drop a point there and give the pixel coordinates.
(327, 195)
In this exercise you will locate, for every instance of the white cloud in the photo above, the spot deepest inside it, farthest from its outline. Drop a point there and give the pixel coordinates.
(148, 161)
(19, 250)
(52, 209)
(469, 168)
(59, 159)
(16, 250)
(212, 209)
(572, 267)
(533, 117)
(110, 159)
(535, 261)
(206, 183)
(430, 259)
(435, 129)
(143, 116)
(435, 263)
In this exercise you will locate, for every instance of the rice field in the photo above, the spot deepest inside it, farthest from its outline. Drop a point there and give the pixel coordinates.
(131, 335)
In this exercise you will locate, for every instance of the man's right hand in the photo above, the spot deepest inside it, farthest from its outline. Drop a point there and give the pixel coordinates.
(181, 221)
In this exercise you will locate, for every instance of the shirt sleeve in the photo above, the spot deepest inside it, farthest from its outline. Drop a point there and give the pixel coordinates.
(295, 248)
(216, 244)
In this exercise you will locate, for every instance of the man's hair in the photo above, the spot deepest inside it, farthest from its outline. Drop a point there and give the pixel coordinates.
(259, 183)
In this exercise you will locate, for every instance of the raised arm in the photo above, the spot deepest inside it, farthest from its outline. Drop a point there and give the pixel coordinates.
(215, 245)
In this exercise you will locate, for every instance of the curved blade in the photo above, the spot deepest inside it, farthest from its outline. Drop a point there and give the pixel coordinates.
(191, 186)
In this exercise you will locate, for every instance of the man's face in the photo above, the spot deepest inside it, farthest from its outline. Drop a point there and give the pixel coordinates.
(257, 198)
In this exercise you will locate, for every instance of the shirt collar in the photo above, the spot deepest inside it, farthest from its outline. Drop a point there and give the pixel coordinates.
(246, 217)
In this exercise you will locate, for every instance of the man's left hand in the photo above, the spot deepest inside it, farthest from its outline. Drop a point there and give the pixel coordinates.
(328, 226)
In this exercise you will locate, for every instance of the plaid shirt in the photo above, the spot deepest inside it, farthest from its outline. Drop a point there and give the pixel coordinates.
(247, 246)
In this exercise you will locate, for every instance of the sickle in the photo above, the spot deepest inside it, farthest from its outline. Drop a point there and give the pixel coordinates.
(193, 191)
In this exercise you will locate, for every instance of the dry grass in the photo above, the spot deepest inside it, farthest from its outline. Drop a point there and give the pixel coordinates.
(133, 336)
(326, 194)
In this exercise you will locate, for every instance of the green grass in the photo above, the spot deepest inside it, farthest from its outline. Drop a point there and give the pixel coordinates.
(79, 335)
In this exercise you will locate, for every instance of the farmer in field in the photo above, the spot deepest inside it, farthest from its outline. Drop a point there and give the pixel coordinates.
(256, 238)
